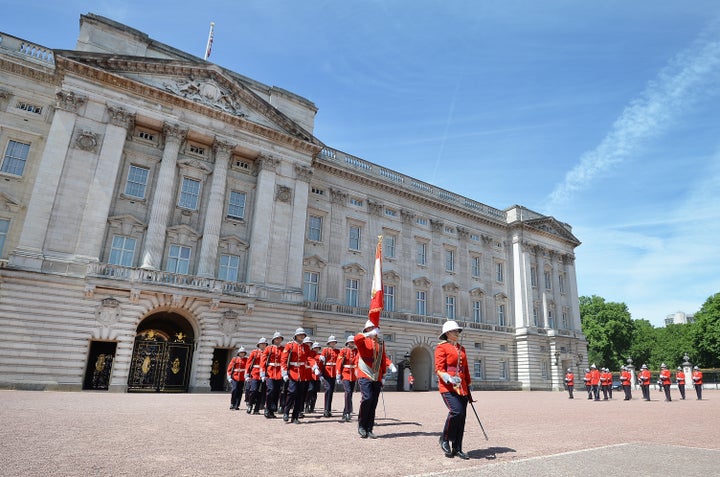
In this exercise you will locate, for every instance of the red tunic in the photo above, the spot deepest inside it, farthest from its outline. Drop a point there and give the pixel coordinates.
(252, 368)
(452, 359)
(346, 363)
(665, 376)
(330, 357)
(372, 360)
(236, 368)
(270, 362)
(570, 379)
(295, 360)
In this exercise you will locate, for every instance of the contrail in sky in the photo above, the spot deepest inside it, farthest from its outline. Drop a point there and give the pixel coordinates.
(678, 86)
(441, 152)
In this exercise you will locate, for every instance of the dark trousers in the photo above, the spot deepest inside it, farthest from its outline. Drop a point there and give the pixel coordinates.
(628, 392)
(666, 388)
(348, 387)
(455, 423)
(596, 391)
(645, 391)
(698, 390)
(588, 388)
(605, 391)
(370, 392)
(311, 395)
(570, 391)
(236, 393)
(297, 390)
(257, 394)
(329, 386)
(681, 388)
(273, 394)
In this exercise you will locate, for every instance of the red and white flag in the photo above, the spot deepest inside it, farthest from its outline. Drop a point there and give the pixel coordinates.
(376, 294)
(208, 48)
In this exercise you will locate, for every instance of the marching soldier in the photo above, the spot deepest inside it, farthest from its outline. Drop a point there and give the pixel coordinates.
(697, 377)
(665, 381)
(295, 358)
(345, 374)
(644, 378)
(570, 382)
(256, 396)
(451, 366)
(314, 380)
(372, 364)
(236, 377)
(680, 380)
(328, 357)
(595, 381)
(271, 373)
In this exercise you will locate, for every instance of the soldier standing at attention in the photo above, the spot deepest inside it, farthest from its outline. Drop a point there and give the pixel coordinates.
(451, 366)
(256, 396)
(345, 374)
(697, 381)
(372, 364)
(314, 379)
(236, 377)
(645, 382)
(680, 380)
(570, 382)
(625, 378)
(328, 358)
(588, 380)
(270, 372)
(595, 381)
(665, 381)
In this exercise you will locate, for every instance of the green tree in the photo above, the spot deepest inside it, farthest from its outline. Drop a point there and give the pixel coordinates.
(706, 334)
(671, 344)
(643, 342)
(608, 329)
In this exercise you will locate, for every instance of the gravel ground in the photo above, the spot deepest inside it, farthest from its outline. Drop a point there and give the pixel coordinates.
(113, 434)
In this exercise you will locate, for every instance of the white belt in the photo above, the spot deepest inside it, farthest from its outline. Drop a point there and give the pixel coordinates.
(348, 365)
(295, 363)
(273, 364)
(256, 365)
(330, 364)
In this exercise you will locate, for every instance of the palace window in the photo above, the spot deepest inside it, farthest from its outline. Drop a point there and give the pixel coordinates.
(389, 246)
(477, 313)
(501, 315)
(311, 281)
(475, 265)
(449, 260)
(354, 238)
(421, 255)
(478, 370)
(4, 227)
(388, 297)
(16, 154)
(122, 251)
(137, 180)
(450, 307)
(314, 232)
(229, 268)
(178, 259)
(351, 291)
(499, 271)
(236, 205)
(421, 302)
(189, 194)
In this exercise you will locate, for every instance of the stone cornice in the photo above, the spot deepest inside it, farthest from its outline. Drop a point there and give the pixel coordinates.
(31, 71)
(105, 70)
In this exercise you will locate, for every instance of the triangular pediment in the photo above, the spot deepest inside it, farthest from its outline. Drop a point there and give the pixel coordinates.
(553, 227)
(9, 203)
(192, 82)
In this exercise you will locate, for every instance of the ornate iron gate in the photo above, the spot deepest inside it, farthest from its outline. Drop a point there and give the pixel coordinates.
(159, 365)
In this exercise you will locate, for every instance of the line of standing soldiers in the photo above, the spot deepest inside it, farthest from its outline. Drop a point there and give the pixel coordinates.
(287, 378)
(602, 380)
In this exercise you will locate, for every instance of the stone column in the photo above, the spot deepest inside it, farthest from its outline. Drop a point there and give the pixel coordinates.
(214, 210)
(436, 298)
(95, 213)
(571, 282)
(262, 219)
(162, 198)
(297, 233)
(29, 253)
(407, 262)
(336, 238)
(522, 299)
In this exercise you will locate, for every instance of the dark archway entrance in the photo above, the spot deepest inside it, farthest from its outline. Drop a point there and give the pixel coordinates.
(162, 355)
(422, 368)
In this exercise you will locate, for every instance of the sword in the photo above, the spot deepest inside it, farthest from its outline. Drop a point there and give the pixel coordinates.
(382, 395)
(478, 419)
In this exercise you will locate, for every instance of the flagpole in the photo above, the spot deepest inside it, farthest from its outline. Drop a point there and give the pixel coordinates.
(376, 297)
(208, 48)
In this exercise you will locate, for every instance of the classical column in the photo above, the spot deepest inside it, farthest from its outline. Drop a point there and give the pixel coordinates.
(214, 210)
(162, 198)
(262, 219)
(297, 228)
(407, 261)
(99, 198)
(29, 253)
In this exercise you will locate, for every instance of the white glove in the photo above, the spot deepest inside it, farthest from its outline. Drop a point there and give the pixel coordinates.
(322, 358)
(383, 381)
(456, 379)
(316, 370)
(229, 379)
(338, 379)
(373, 332)
(262, 378)
(285, 376)
(262, 375)
(247, 378)
(393, 368)
(446, 377)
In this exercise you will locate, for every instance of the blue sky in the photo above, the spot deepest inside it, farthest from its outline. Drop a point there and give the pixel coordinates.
(605, 115)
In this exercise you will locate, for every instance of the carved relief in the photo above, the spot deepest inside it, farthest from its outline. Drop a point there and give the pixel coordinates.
(207, 92)
(229, 322)
(338, 197)
(303, 173)
(436, 225)
(108, 312)
(462, 232)
(266, 162)
(120, 117)
(87, 141)
(174, 133)
(283, 193)
(375, 208)
(408, 216)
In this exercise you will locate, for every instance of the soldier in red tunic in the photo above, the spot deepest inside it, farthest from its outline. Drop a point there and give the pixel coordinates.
(296, 356)
(327, 358)
(256, 395)
(271, 373)
(236, 377)
(451, 367)
(345, 366)
(372, 365)
(314, 380)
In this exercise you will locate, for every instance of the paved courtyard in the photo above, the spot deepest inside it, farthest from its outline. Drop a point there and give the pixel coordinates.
(530, 433)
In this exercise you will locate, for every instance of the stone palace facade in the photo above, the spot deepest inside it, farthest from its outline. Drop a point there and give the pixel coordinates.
(158, 211)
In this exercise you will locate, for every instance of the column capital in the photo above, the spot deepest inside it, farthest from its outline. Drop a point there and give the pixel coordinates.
(303, 173)
(120, 117)
(267, 162)
(174, 132)
(223, 147)
(338, 196)
(69, 101)
(408, 216)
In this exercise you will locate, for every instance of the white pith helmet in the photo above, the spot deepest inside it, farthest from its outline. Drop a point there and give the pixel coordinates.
(299, 331)
(350, 339)
(331, 338)
(307, 340)
(449, 325)
(241, 350)
(277, 335)
(316, 345)
(369, 324)
(262, 340)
